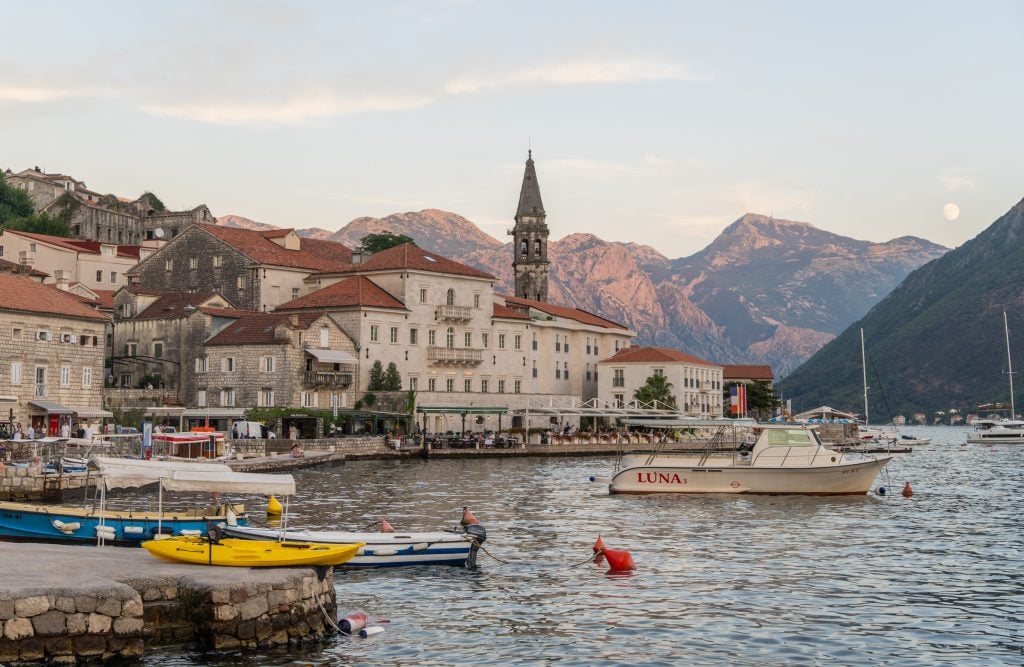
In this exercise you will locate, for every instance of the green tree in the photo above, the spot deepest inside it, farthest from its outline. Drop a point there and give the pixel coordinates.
(392, 378)
(41, 224)
(376, 242)
(761, 399)
(659, 389)
(376, 377)
(15, 204)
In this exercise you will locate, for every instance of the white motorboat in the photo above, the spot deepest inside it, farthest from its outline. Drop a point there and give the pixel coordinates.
(784, 459)
(456, 547)
(998, 431)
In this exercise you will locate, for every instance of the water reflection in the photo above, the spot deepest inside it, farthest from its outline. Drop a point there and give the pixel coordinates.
(738, 580)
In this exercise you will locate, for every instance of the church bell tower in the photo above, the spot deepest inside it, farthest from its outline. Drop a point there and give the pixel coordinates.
(530, 250)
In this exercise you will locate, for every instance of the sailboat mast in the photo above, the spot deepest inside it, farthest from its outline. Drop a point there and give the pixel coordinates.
(1009, 365)
(864, 369)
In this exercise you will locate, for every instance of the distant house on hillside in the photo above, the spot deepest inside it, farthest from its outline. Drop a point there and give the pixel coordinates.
(104, 218)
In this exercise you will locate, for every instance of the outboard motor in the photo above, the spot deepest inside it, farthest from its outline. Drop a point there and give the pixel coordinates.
(478, 535)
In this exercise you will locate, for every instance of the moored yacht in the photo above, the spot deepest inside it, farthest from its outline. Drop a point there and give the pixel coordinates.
(781, 459)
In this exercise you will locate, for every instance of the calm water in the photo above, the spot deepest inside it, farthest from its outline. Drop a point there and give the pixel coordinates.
(732, 580)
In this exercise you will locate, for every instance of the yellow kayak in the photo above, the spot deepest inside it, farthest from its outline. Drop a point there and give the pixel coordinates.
(250, 553)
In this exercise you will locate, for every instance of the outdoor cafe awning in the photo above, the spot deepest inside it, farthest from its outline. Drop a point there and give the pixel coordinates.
(92, 413)
(52, 408)
(332, 356)
(460, 410)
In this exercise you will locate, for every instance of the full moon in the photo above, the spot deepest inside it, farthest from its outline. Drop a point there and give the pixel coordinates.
(951, 211)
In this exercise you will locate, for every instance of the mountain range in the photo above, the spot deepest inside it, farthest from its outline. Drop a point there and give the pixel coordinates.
(936, 341)
(766, 291)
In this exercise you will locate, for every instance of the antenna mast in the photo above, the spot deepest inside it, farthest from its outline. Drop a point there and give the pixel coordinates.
(864, 370)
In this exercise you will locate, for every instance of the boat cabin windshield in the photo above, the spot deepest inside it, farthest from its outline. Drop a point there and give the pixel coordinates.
(791, 438)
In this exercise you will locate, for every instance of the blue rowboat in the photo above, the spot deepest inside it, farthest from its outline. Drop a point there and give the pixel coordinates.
(69, 524)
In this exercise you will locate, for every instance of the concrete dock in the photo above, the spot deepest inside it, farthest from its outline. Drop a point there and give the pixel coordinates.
(64, 604)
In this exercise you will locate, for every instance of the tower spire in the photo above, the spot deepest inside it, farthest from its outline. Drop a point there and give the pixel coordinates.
(530, 247)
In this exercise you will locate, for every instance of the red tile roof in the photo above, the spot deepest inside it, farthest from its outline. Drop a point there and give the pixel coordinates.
(747, 371)
(354, 291)
(409, 257)
(581, 316)
(258, 328)
(224, 312)
(313, 254)
(27, 295)
(655, 355)
(14, 267)
(104, 298)
(509, 313)
(171, 306)
(78, 245)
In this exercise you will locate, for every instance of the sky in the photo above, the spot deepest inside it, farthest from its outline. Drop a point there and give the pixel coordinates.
(654, 122)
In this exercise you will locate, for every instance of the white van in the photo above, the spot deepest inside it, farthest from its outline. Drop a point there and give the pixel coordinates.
(243, 429)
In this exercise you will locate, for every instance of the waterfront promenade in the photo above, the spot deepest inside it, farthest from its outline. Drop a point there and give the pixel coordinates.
(62, 604)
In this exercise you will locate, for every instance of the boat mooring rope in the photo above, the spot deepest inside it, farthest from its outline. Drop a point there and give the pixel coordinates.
(327, 617)
(484, 549)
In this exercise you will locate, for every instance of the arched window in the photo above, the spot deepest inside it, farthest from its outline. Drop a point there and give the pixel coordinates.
(536, 247)
(449, 337)
(524, 248)
(451, 297)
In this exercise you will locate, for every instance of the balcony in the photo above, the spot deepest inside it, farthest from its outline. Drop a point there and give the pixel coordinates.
(454, 355)
(327, 379)
(453, 313)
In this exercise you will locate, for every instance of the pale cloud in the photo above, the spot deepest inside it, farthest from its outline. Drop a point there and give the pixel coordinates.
(297, 109)
(576, 164)
(768, 199)
(652, 160)
(955, 182)
(572, 72)
(30, 94)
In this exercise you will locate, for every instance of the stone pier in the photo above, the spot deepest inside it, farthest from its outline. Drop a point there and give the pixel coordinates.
(65, 604)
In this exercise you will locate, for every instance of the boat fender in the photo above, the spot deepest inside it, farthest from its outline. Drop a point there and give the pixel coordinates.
(230, 518)
(881, 491)
(134, 530)
(190, 532)
(105, 532)
(69, 527)
(353, 622)
(372, 630)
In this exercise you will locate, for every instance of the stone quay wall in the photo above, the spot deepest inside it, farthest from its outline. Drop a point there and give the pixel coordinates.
(111, 602)
(29, 483)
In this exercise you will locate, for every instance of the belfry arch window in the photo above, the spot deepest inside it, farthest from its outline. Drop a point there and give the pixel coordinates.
(449, 337)
(450, 300)
(536, 248)
(524, 248)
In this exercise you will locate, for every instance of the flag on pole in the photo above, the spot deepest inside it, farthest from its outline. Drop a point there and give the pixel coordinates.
(743, 400)
(734, 401)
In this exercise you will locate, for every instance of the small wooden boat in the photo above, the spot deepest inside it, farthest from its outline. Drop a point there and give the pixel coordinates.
(249, 553)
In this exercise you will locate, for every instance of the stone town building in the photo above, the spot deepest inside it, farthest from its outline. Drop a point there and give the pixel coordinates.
(157, 336)
(696, 383)
(51, 356)
(276, 360)
(255, 270)
(96, 266)
(23, 270)
(530, 239)
(454, 340)
(104, 218)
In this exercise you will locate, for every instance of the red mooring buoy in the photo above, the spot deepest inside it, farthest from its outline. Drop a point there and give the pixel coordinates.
(468, 519)
(907, 491)
(599, 544)
(385, 527)
(619, 560)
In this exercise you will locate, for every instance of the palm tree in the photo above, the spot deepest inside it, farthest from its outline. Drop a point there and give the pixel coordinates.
(659, 389)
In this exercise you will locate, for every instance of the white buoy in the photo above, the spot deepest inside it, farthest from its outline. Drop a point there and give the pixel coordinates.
(371, 630)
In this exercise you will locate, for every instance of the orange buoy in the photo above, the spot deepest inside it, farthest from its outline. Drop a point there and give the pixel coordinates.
(468, 519)
(907, 491)
(619, 560)
(385, 527)
(353, 623)
(599, 545)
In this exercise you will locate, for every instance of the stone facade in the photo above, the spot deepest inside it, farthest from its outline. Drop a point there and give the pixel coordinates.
(103, 268)
(696, 384)
(47, 357)
(281, 373)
